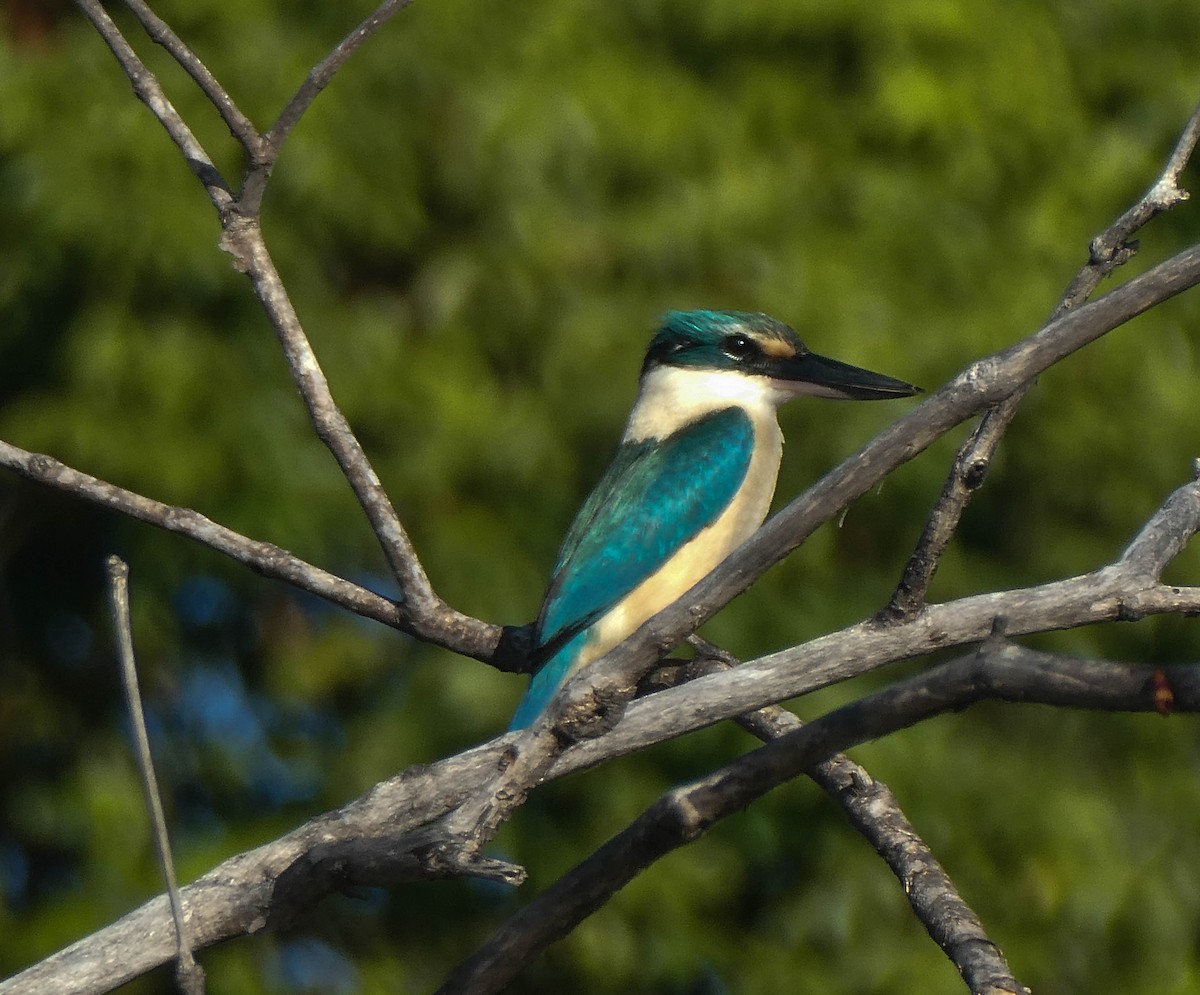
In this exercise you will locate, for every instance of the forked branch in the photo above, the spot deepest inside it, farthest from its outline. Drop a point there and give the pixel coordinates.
(420, 607)
(971, 464)
(996, 671)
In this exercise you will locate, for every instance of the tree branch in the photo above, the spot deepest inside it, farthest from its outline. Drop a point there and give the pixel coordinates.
(317, 79)
(1108, 250)
(189, 975)
(996, 671)
(395, 824)
(390, 829)
(1093, 597)
(243, 240)
(320, 75)
(396, 829)
(422, 611)
(970, 391)
(240, 126)
(873, 810)
(149, 92)
(468, 637)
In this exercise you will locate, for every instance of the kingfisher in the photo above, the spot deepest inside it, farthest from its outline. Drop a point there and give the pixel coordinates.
(692, 479)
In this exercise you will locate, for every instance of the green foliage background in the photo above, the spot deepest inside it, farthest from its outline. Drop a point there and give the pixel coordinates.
(480, 221)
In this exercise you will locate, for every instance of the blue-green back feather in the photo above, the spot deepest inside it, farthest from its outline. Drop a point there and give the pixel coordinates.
(655, 497)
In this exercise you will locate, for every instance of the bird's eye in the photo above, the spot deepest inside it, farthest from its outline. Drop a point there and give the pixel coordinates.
(737, 346)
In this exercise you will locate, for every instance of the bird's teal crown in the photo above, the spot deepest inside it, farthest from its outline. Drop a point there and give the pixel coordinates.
(722, 340)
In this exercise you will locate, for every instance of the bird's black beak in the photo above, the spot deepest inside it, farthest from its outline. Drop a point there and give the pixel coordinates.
(820, 377)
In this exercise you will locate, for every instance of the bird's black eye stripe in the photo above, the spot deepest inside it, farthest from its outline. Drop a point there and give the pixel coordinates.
(737, 346)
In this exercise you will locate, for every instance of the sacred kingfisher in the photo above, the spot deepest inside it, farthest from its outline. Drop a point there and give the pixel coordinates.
(692, 479)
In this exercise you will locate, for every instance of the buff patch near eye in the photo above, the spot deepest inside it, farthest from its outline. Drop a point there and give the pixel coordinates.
(777, 348)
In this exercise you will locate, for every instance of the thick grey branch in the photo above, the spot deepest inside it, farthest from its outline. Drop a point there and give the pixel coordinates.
(413, 829)
(398, 826)
(868, 804)
(386, 829)
(997, 671)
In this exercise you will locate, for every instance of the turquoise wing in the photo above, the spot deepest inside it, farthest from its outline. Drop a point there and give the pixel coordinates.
(654, 497)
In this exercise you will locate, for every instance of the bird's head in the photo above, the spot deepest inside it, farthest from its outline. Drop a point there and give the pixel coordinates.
(756, 345)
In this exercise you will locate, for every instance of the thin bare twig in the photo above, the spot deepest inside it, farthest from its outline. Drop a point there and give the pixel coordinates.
(243, 239)
(188, 974)
(161, 33)
(457, 632)
(148, 90)
(1108, 250)
(422, 610)
(316, 81)
(320, 75)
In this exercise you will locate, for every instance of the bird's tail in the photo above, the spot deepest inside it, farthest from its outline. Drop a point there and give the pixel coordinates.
(546, 681)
